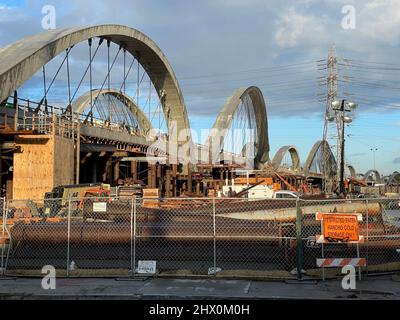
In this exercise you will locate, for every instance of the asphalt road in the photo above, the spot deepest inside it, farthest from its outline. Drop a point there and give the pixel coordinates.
(383, 287)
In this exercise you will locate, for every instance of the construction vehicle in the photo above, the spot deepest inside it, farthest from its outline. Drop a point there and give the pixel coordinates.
(97, 195)
(259, 188)
(56, 201)
(257, 191)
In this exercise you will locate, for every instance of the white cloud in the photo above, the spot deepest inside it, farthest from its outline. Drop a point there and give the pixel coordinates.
(9, 14)
(293, 28)
(380, 20)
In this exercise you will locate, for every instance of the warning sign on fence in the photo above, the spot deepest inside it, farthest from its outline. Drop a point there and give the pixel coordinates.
(338, 227)
(147, 267)
(100, 207)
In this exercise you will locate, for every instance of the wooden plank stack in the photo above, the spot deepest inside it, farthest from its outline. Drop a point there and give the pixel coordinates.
(151, 198)
(212, 193)
(251, 181)
(130, 191)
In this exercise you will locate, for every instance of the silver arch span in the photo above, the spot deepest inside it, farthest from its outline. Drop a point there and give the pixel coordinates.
(353, 173)
(329, 158)
(225, 118)
(21, 60)
(394, 179)
(83, 102)
(374, 174)
(294, 154)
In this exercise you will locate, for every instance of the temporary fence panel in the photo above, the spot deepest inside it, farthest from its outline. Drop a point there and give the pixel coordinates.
(224, 237)
(255, 236)
(379, 237)
(178, 236)
(383, 235)
(99, 236)
(37, 235)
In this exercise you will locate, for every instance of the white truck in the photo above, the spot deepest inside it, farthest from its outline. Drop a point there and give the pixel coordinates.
(259, 192)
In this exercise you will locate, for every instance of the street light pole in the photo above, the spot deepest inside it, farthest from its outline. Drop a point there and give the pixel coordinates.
(374, 150)
(342, 188)
(343, 107)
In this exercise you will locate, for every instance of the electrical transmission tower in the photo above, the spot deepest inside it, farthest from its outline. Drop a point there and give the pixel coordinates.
(333, 124)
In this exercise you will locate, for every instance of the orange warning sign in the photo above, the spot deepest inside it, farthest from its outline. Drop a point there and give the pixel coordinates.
(340, 227)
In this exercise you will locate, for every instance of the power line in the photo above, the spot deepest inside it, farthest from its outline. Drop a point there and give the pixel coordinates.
(276, 69)
(370, 62)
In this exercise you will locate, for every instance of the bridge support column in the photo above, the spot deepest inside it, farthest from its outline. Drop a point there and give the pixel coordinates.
(116, 172)
(149, 178)
(108, 174)
(134, 170)
(152, 176)
(159, 177)
(190, 180)
(168, 182)
(198, 192)
(94, 173)
(174, 177)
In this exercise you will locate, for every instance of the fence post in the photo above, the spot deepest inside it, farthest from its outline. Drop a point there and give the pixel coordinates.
(367, 237)
(299, 242)
(214, 238)
(133, 237)
(3, 234)
(69, 234)
(25, 117)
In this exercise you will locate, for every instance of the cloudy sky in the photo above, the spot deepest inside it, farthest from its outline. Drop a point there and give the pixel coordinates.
(218, 46)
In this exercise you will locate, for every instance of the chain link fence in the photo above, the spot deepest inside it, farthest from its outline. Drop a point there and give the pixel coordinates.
(270, 238)
(252, 238)
(379, 230)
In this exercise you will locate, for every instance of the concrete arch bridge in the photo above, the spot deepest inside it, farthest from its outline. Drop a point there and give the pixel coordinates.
(118, 121)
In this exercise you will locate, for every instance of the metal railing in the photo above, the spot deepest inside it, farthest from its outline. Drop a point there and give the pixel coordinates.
(32, 116)
(192, 237)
